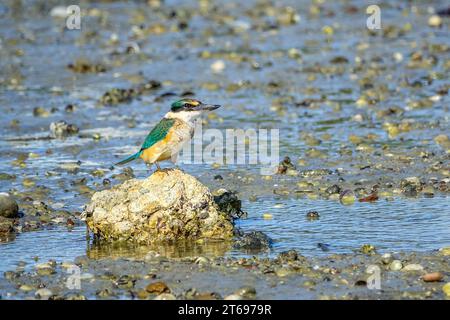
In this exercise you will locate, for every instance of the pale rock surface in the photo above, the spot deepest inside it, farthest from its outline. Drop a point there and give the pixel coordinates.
(169, 205)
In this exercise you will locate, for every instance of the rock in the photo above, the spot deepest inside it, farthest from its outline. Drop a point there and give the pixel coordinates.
(433, 277)
(8, 206)
(435, 21)
(26, 288)
(40, 112)
(290, 255)
(333, 189)
(59, 12)
(445, 251)
(444, 12)
(43, 293)
(412, 267)
(157, 287)
(142, 294)
(386, 258)
(165, 296)
(368, 249)
(283, 272)
(62, 129)
(125, 282)
(312, 215)
(202, 260)
(229, 203)
(169, 205)
(44, 265)
(104, 293)
(428, 191)
(246, 292)
(45, 271)
(218, 66)
(285, 165)
(233, 297)
(85, 66)
(446, 289)
(254, 240)
(370, 198)
(323, 246)
(74, 296)
(267, 216)
(396, 265)
(410, 186)
(347, 197)
(6, 225)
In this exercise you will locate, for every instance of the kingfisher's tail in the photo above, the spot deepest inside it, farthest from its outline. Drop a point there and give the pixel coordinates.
(130, 158)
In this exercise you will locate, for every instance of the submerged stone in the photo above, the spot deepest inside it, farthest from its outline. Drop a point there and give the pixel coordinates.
(254, 240)
(8, 206)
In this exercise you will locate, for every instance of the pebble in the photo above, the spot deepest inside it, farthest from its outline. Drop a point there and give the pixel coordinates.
(68, 265)
(246, 292)
(368, 249)
(386, 258)
(151, 255)
(6, 225)
(412, 267)
(446, 289)
(44, 265)
(157, 287)
(253, 240)
(142, 294)
(218, 66)
(165, 296)
(313, 215)
(26, 287)
(433, 277)
(282, 272)
(8, 206)
(234, 297)
(74, 296)
(347, 198)
(62, 129)
(105, 293)
(43, 293)
(445, 251)
(435, 21)
(202, 260)
(45, 271)
(428, 191)
(333, 189)
(396, 265)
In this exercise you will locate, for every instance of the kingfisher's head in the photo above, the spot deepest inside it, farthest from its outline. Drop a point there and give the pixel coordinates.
(189, 109)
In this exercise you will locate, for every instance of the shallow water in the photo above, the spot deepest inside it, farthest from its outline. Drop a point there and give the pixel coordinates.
(398, 225)
(391, 226)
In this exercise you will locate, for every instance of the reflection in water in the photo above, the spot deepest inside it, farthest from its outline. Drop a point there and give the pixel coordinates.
(7, 237)
(400, 225)
(175, 250)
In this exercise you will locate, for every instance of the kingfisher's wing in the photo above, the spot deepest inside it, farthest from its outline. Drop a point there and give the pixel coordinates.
(158, 133)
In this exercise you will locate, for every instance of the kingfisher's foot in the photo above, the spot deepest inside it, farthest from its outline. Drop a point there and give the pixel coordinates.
(158, 169)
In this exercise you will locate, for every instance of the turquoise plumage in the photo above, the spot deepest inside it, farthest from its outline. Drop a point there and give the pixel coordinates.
(157, 134)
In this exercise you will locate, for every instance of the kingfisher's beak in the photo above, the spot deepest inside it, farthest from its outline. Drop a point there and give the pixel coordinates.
(207, 107)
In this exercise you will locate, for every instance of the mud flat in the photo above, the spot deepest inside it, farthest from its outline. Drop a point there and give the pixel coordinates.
(288, 276)
(362, 116)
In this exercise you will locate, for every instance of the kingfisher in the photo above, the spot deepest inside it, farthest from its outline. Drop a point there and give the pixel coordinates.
(174, 130)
